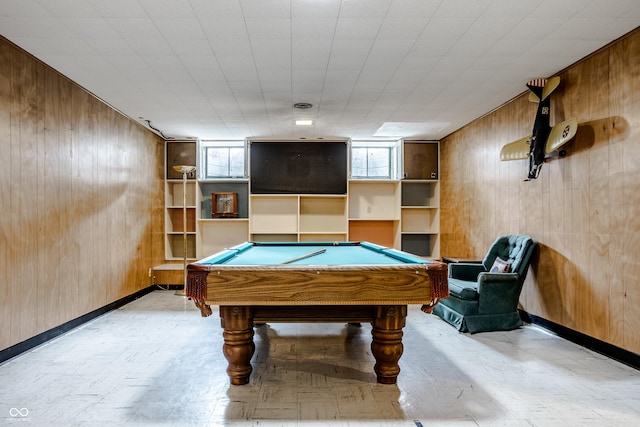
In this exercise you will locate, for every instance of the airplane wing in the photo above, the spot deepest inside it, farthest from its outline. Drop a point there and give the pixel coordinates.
(561, 134)
(517, 150)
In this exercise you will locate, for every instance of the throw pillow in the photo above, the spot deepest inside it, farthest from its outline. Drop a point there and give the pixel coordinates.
(500, 266)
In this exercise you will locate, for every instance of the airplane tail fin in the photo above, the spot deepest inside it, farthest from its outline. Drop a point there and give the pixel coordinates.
(536, 86)
(542, 88)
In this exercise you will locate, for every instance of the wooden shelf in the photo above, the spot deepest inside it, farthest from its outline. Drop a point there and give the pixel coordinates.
(420, 194)
(322, 237)
(175, 219)
(375, 231)
(168, 274)
(323, 214)
(273, 214)
(173, 194)
(426, 245)
(420, 220)
(215, 235)
(174, 243)
(374, 200)
(283, 237)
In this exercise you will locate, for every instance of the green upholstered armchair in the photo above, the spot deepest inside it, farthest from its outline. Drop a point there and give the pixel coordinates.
(481, 300)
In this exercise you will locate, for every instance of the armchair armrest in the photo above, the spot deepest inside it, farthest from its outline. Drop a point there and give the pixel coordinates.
(488, 280)
(498, 292)
(465, 271)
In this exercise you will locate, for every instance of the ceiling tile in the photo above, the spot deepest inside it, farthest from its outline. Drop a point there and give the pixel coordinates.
(232, 68)
(168, 9)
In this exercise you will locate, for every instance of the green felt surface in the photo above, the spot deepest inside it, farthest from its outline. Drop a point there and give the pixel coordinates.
(343, 253)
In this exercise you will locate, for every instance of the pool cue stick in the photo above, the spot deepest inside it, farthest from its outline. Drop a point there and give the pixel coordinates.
(310, 254)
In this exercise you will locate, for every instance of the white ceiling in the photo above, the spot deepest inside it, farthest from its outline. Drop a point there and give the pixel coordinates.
(231, 69)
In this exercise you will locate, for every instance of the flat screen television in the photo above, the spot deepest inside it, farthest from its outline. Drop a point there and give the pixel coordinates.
(308, 167)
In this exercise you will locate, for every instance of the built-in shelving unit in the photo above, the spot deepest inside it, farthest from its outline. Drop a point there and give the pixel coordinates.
(179, 153)
(374, 211)
(420, 219)
(420, 199)
(402, 212)
(292, 218)
(174, 220)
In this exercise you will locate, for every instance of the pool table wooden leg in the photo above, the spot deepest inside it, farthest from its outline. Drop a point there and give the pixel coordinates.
(386, 345)
(238, 347)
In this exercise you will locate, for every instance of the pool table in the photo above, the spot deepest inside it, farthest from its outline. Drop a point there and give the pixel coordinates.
(352, 282)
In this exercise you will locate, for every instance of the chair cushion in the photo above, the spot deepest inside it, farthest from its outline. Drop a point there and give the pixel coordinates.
(500, 266)
(463, 289)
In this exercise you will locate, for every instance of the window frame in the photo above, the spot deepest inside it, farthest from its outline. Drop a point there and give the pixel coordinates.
(393, 155)
(205, 146)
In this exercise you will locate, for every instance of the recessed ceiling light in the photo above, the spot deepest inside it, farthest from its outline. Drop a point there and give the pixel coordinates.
(304, 122)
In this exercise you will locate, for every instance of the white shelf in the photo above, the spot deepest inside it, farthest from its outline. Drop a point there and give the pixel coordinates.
(215, 235)
(173, 194)
(420, 220)
(323, 214)
(322, 237)
(273, 214)
(420, 194)
(275, 237)
(374, 200)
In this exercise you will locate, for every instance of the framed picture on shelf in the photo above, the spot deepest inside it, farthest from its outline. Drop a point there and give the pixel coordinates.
(224, 205)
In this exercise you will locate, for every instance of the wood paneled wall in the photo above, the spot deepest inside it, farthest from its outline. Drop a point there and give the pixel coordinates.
(584, 209)
(82, 195)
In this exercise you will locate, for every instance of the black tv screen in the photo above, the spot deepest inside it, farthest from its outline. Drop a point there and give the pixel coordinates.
(308, 167)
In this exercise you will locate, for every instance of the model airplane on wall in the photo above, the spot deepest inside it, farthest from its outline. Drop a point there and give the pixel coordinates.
(544, 139)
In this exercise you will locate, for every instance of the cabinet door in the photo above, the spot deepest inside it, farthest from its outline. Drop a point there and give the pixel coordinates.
(180, 153)
(420, 160)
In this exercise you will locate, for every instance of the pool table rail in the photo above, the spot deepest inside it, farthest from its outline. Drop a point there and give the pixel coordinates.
(316, 285)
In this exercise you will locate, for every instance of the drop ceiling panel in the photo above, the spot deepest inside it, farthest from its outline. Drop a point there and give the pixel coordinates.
(233, 68)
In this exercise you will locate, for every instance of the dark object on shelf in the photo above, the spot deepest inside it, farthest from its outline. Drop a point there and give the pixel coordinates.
(298, 167)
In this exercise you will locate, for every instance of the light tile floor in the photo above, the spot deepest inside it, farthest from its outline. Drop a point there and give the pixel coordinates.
(155, 361)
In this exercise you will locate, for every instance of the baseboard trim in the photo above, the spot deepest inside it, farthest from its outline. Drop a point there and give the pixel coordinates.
(621, 355)
(45, 336)
(606, 349)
